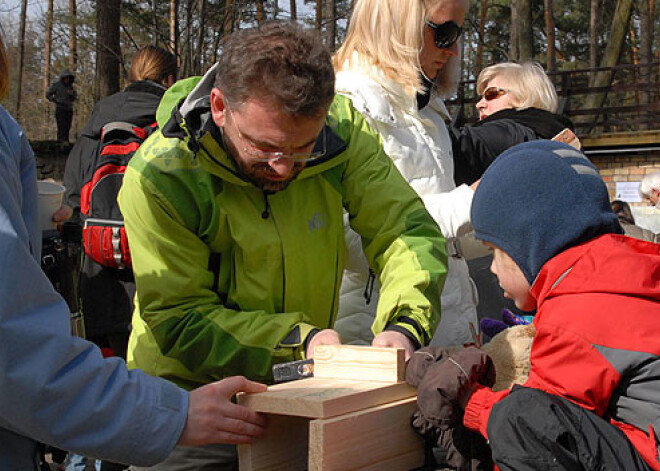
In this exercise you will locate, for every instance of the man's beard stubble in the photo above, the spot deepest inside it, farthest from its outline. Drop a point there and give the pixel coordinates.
(258, 171)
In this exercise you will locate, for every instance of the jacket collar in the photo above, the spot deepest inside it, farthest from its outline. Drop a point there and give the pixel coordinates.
(365, 87)
(185, 113)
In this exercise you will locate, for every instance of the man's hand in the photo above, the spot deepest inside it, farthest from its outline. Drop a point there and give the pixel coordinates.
(213, 418)
(391, 338)
(324, 337)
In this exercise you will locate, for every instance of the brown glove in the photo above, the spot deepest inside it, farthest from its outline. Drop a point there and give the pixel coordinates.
(447, 385)
(420, 362)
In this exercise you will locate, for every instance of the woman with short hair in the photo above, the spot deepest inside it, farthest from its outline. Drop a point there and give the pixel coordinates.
(518, 104)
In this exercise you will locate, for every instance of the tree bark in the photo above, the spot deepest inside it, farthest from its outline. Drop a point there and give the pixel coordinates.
(526, 38)
(48, 44)
(73, 41)
(645, 50)
(593, 38)
(480, 43)
(319, 15)
(550, 34)
(514, 45)
(174, 29)
(107, 47)
(229, 17)
(276, 8)
(294, 12)
(260, 11)
(201, 37)
(618, 28)
(21, 57)
(330, 24)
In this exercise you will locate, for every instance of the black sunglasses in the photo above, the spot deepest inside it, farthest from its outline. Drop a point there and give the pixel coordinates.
(445, 34)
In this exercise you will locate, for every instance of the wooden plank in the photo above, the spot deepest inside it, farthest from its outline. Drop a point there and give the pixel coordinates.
(325, 397)
(283, 447)
(378, 438)
(360, 362)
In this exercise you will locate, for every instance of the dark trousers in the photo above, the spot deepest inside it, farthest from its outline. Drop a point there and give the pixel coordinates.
(533, 430)
(63, 117)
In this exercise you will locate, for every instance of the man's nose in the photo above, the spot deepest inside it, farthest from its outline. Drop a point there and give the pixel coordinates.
(282, 167)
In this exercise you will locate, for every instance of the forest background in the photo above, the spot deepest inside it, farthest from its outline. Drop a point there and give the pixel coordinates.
(96, 40)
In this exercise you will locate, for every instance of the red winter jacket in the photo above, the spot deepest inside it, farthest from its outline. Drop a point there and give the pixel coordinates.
(597, 338)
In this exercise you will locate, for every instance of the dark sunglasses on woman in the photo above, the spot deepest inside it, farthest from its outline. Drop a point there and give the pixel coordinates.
(445, 34)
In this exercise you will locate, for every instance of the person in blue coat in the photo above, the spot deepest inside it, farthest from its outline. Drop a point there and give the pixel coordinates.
(57, 389)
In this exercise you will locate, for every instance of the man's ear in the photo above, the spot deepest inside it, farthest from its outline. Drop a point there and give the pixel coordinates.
(218, 108)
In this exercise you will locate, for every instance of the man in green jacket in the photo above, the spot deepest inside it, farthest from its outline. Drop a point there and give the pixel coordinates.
(234, 214)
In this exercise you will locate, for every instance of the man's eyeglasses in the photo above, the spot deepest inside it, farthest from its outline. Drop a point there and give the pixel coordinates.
(260, 155)
(493, 92)
(445, 34)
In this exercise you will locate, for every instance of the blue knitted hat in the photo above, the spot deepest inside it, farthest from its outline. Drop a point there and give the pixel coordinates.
(538, 199)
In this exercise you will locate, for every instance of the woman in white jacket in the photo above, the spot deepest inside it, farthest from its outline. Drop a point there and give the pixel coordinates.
(398, 59)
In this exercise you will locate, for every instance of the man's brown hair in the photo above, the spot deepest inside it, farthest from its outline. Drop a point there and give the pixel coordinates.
(277, 61)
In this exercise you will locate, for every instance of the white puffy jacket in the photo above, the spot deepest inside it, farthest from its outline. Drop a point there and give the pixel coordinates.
(419, 145)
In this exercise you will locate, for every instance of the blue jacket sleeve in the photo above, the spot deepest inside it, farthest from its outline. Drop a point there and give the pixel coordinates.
(56, 388)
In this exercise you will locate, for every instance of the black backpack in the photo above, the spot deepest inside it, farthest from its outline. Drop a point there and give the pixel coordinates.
(104, 236)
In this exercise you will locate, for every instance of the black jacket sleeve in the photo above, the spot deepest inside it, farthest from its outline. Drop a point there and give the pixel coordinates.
(476, 147)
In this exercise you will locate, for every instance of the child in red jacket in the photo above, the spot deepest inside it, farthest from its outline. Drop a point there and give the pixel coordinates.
(592, 400)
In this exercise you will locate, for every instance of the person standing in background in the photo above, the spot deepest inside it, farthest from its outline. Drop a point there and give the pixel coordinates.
(63, 95)
(107, 293)
(396, 76)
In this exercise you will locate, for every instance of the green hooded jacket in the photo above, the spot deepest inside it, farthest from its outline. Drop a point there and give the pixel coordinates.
(231, 280)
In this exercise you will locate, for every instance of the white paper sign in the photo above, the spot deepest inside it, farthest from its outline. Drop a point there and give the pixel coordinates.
(628, 191)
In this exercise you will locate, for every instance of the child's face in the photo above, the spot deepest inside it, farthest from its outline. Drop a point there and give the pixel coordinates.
(511, 278)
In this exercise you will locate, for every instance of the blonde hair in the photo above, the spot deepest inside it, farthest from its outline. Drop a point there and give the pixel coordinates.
(152, 63)
(4, 70)
(389, 34)
(527, 82)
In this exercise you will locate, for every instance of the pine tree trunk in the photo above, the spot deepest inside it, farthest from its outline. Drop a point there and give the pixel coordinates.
(48, 44)
(645, 52)
(260, 11)
(593, 38)
(319, 15)
(480, 42)
(525, 40)
(276, 8)
(618, 28)
(201, 37)
(21, 57)
(174, 29)
(229, 18)
(73, 41)
(330, 24)
(107, 47)
(294, 12)
(514, 42)
(550, 33)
